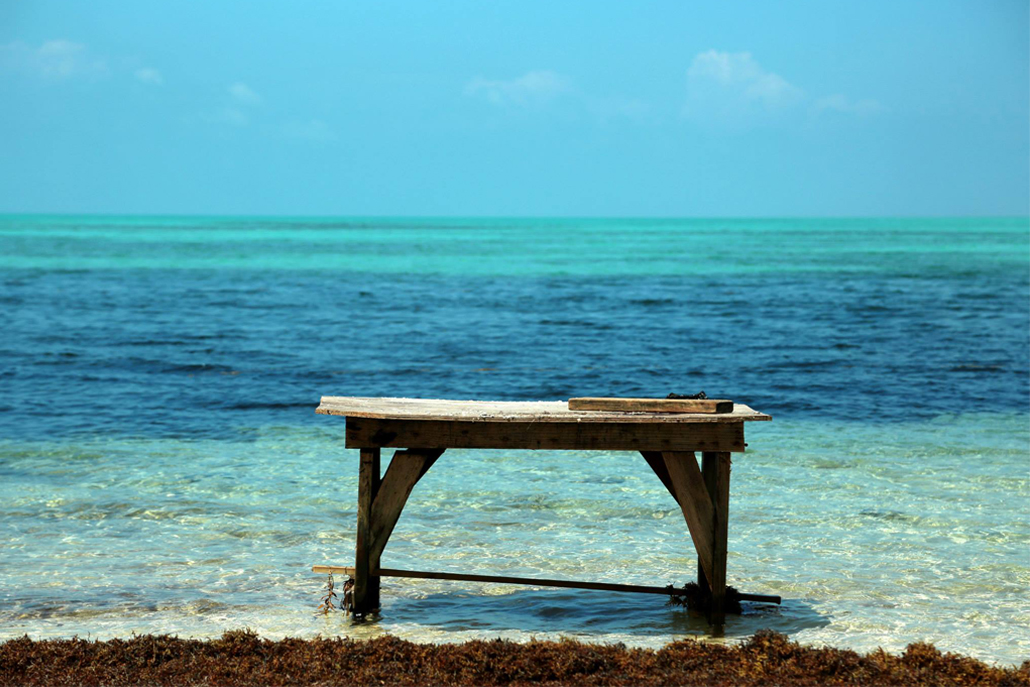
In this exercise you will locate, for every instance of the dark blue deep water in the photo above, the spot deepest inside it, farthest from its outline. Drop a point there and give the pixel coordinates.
(143, 331)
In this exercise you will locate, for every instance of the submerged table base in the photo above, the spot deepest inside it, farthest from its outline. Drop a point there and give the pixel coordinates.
(423, 429)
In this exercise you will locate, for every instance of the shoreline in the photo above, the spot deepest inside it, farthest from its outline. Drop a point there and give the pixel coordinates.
(242, 657)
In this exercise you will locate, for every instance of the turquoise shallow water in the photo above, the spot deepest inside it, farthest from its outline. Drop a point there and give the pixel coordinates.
(163, 470)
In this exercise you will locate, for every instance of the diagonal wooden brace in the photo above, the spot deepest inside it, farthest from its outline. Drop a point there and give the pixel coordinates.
(405, 470)
(703, 497)
(657, 463)
(688, 486)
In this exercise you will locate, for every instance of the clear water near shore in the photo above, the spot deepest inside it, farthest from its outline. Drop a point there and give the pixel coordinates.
(163, 470)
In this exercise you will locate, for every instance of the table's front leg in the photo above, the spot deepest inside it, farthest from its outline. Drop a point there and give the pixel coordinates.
(366, 586)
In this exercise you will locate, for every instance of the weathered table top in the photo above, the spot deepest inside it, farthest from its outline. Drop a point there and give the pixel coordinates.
(511, 411)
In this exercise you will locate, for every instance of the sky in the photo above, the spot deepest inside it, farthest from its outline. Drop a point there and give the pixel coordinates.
(664, 109)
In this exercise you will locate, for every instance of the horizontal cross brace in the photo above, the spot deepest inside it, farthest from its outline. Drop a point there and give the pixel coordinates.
(573, 584)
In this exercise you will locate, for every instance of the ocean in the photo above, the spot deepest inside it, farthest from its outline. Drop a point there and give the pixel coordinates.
(163, 470)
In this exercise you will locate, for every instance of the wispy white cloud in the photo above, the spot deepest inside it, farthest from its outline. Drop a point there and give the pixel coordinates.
(229, 115)
(237, 107)
(310, 130)
(545, 89)
(242, 104)
(725, 83)
(149, 75)
(243, 94)
(842, 104)
(532, 88)
(734, 89)
(53, 60)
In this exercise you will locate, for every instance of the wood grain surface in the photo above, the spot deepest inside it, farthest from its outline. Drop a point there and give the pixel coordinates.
(510, 411)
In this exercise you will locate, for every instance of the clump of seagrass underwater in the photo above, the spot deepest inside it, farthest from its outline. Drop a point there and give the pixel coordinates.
(241, 657)
(696, 597)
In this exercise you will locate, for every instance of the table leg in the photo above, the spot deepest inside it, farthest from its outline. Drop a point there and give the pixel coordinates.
(702, 580)
(366, 586)
(715, 467)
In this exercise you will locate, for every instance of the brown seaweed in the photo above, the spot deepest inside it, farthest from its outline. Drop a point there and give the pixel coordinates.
(243, 658)
(327, 605)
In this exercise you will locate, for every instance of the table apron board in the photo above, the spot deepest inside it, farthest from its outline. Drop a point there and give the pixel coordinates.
(583, 436)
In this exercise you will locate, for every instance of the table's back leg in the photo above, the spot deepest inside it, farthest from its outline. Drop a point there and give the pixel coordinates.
(703, 495)
(715, 467)
(366, 586)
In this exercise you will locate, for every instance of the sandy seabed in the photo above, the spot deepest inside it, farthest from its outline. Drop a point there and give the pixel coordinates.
(243, 658)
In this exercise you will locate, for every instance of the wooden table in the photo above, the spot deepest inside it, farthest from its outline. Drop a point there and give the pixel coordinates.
(422, 429)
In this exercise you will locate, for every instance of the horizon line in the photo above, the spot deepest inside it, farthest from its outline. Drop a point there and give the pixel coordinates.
(219, 215)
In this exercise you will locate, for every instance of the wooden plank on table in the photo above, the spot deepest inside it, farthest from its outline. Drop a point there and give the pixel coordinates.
(510, 411)
(609, 436)
(652, 405)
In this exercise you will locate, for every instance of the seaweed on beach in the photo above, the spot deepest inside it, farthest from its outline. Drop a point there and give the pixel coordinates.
(243, 658)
